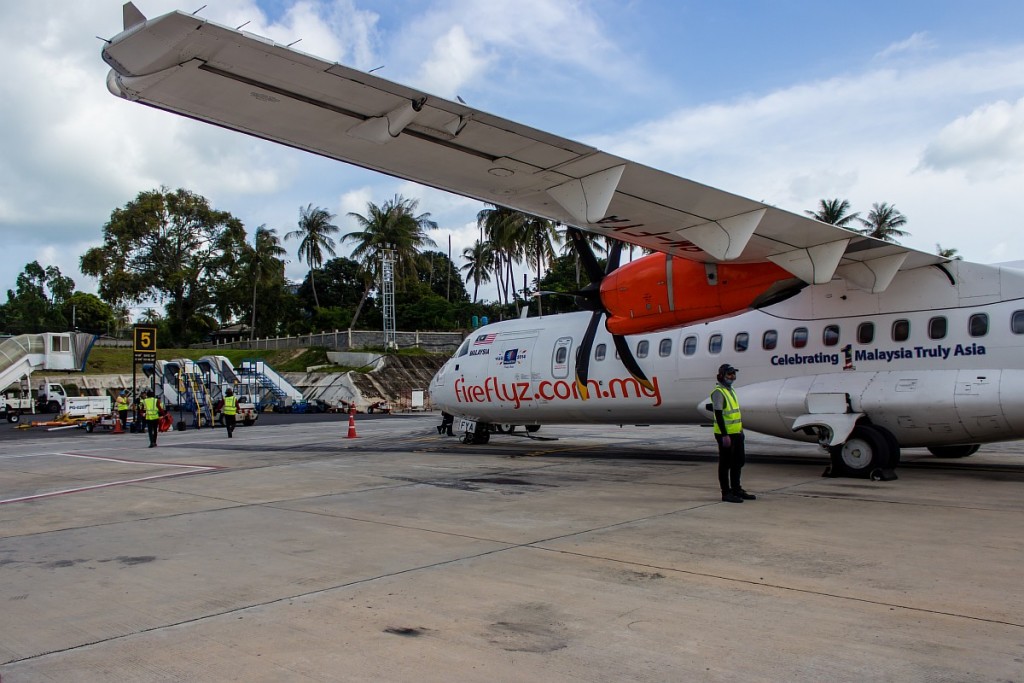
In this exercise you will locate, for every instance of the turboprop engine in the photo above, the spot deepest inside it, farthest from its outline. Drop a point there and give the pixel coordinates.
(659, 291)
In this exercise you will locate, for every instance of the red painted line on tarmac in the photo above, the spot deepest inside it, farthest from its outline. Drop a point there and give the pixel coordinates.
(193, 469)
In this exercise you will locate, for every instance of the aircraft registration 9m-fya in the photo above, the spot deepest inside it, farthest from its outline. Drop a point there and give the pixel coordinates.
(862, 345)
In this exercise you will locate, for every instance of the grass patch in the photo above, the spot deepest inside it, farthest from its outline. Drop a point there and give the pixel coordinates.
(108, 360)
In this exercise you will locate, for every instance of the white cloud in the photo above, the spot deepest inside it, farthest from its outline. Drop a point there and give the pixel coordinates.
(984, 144)
(917, 42)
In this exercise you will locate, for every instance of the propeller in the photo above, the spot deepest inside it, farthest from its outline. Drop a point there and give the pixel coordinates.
(590, 299)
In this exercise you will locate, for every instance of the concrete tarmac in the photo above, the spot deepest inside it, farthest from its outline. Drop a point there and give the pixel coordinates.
(290, 553)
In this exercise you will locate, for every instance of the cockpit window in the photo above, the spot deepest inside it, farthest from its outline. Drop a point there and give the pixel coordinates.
(463, 350)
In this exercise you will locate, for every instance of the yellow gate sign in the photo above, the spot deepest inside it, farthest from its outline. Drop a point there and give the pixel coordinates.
(144, 346)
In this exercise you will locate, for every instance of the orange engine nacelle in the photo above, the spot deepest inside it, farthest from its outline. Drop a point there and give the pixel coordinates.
(638, 297)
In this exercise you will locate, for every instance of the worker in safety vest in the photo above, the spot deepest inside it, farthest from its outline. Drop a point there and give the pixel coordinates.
(121, 406)
(230, 411)
(151, 409)
(729, 435)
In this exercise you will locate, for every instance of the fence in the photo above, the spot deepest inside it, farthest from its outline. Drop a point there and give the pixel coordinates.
(346, 340)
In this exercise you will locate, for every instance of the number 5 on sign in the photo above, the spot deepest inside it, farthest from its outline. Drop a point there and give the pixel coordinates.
(145, 339)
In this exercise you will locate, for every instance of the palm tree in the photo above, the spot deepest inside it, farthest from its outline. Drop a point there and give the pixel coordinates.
(315, 230)
(541, 238)
(503, 229)
(265, 263)
(834, 211)
(478, 263)
(393, 226)
(598, 245)
(948, 253)
(884, 222)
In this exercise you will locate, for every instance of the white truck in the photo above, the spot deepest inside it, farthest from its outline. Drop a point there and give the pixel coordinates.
(52, 398)
(14, 404)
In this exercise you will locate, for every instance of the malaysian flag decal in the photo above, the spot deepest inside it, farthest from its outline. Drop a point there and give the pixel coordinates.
(485, 339)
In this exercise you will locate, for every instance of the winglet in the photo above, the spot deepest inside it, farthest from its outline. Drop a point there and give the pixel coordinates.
(132, 16)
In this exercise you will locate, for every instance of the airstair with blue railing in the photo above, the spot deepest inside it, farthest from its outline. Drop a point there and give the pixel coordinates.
(268, 387)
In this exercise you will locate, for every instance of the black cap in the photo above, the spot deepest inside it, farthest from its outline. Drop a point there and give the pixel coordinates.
(726, 369)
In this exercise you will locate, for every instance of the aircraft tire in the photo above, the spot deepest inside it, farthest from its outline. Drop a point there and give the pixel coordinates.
(506, 428)
(532, 428)
(893, 444)
(865, 450)
(954, 451)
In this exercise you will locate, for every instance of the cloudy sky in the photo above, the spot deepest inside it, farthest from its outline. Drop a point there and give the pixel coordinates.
(919, 103)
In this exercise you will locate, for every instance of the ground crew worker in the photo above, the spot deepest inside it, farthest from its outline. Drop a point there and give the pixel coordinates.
(230, 411)
(151, 409)
(729, 435)
(121, 406)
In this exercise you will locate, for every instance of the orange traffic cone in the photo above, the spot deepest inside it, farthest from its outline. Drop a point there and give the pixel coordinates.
(118, 429)
(351, 423)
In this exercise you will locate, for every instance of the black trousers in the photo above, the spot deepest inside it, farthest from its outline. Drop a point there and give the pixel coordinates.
(152, 426)
(730, 462)
(229, 422)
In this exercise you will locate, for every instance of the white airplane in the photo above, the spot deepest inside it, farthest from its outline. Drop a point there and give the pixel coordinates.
(861, 345)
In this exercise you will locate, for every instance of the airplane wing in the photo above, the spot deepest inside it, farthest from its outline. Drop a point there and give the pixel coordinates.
(238, 80)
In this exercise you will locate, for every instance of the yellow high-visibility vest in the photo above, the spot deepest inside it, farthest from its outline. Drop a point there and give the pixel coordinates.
(150, 406)
(230, 405)
(121, 404)
(731, 413)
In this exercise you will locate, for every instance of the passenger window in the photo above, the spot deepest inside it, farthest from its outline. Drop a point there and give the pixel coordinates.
(642, 348)
(1017, 322)
(865, 333)
(937, 327)
(770, 340)
(742, 342)
(561, 354)
(559, 359)
(690, 346)
(599, 351)
(830, 336)
(978, 325)
(665, 348)
(799, 337)
(715, 343)
(901, 330)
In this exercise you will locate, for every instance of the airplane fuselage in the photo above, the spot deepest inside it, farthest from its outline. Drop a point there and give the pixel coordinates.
(938, 358)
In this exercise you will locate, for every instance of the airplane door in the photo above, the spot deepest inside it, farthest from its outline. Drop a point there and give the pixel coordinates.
(977, 403)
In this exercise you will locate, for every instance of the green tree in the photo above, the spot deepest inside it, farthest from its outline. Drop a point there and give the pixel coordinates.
(948, 253)
(438, 272)
(393, 226)
(265, 268)
(37, 302)
(479, 259)
(504, 229)
(834, 211)
(171, 247)
(884, 222)
(315, 230)
(89, 313)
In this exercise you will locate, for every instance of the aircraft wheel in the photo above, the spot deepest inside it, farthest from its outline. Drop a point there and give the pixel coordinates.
(892, 443)
(954, 451)
(865, 451)
(506, 428)
(532, 428)
(468, 438)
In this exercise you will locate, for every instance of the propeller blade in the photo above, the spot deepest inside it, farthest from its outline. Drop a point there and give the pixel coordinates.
(586, 254)
(626, 356)
(583, 356)
(614, 255)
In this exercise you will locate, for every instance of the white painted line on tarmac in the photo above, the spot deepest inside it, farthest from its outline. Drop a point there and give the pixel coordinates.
(186, 469)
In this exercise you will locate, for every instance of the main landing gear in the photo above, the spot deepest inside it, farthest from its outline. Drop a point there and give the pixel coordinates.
(870, 452)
